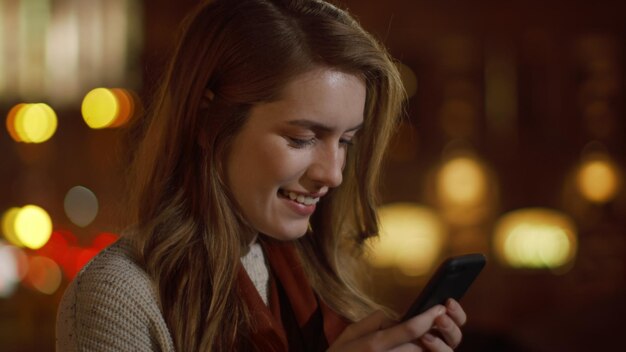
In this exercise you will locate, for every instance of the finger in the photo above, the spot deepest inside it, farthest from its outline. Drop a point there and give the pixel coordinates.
(407, 347)
(373, 322)
(409, 330)
(434, 344)
(456, 312)
(448, 330)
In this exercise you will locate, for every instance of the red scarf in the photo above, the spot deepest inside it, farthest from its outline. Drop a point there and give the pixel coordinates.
(270, 334)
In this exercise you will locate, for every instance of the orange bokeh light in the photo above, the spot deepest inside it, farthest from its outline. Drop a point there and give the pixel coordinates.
(10, 122)
(126, 107)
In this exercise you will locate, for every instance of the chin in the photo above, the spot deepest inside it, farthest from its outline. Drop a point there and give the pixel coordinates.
(285, 234)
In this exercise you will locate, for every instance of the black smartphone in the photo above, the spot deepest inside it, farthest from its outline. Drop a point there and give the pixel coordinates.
(451, 280)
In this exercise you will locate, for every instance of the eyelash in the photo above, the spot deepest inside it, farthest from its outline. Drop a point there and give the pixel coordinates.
(346, 142)
(299, 143)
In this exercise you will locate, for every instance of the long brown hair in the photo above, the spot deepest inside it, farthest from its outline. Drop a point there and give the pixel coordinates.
(188, 233)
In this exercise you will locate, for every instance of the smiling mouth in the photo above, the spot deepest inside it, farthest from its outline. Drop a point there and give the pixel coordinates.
(298, 198)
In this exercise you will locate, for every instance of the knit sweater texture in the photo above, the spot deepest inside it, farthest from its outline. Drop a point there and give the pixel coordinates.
(111, 305)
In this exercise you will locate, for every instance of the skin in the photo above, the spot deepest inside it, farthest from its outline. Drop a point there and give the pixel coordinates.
(379, 333)
(298, 144)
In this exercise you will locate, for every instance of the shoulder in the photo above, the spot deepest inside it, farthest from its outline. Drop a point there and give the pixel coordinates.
(114, 276)
(112, 301)
(114, 273)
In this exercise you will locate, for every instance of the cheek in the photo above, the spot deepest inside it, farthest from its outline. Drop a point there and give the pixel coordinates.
(291, 163)
(262, 167)
(276, 161)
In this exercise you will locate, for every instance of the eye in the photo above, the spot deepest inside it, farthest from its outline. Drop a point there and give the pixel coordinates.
(300, 142)
(346, 142)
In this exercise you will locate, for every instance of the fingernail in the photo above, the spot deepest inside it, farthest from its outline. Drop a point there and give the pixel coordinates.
(441, 310)
(451, 304)
(428, 337)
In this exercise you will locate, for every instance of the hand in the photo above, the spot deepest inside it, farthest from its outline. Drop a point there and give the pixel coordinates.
(379, 333)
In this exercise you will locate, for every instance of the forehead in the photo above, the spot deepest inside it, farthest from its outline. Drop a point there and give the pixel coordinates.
(331, 97)
(321, 80)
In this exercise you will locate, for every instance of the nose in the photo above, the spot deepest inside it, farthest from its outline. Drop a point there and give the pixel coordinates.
(326, 169)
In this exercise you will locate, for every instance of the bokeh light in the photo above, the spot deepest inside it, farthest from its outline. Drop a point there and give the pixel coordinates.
(104, 240)
(55, 248)
(462, 181)
(10, 122)
(99, 108)
(127, 106)
(31, 123)
(44, 275)
(410, 239)
(535, 238)
(83, 256)
(108, 108)
(81, 205)
(13, 265)
(21, 259)
(64, 249)
(598, 179)
(36, 122)
(8, 226)
(33, 226)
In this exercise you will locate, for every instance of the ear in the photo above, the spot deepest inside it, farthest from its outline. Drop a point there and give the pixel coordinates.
(207, 98)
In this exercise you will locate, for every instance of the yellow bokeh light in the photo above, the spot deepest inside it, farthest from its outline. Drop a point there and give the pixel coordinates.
(31, 123)
(462, 181)
(598, 179)
(535, 238)
(100, 108)
(33, 226)
(35, 123)
(8, 226)
(536, 245)
(410, 239)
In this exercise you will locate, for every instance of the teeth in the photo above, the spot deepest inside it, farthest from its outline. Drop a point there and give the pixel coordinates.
(301, 198)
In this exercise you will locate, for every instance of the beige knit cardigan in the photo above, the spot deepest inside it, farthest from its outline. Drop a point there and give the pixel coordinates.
(111, 306)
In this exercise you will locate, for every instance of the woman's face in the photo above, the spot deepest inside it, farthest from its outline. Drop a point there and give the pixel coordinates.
(290, 152)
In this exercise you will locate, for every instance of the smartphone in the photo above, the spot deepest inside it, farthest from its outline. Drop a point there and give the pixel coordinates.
(451, 280)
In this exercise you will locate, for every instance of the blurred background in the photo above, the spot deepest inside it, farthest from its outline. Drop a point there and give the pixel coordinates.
(513, 145)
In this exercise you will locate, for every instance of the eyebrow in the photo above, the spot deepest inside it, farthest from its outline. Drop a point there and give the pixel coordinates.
(316, 126)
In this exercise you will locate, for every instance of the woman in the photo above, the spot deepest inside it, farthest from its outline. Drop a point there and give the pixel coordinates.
(251, 193)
